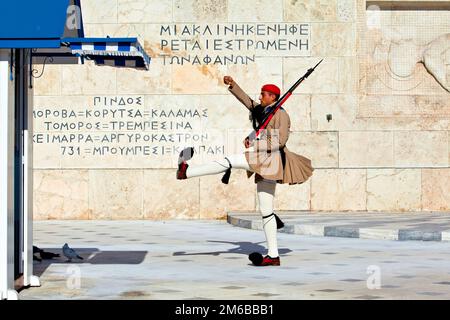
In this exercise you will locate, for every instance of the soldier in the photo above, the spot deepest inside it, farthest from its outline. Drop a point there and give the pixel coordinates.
(268, 157)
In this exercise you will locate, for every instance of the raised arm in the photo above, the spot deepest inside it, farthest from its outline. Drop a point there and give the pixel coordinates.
(239, 93)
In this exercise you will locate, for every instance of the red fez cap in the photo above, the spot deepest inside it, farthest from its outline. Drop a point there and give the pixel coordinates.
(271, 88)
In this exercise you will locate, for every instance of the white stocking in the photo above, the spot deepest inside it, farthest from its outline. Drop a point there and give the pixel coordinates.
(265, 190)
(238, 161)
(266, 193)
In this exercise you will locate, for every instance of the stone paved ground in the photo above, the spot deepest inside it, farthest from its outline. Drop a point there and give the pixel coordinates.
(427, 226)
(208, 260)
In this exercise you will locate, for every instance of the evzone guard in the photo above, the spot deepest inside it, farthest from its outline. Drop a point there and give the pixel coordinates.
(268, 158)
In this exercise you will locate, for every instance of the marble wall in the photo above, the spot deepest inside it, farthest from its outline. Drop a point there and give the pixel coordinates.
(385, 80)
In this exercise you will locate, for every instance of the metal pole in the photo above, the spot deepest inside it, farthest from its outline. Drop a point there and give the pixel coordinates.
(6, 177)
(27, 172)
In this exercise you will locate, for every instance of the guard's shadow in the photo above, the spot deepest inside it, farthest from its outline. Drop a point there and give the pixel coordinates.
(91, 256)
(241, 248)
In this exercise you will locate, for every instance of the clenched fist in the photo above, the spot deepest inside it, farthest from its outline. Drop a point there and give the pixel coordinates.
(228, 80)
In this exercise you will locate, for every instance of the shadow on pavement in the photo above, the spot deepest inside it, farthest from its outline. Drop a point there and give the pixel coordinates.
(242, 248)
(91, 256)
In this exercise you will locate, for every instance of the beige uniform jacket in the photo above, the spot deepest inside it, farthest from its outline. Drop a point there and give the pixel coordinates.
(270, 158)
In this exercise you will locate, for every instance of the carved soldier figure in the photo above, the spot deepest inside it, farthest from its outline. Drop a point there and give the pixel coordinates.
(268, 158)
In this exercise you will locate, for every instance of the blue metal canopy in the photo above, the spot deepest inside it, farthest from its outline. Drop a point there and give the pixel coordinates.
(118, 52)
(32, 24)
(43, 26)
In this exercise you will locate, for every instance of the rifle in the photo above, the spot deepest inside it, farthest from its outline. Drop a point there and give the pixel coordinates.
(255, 133)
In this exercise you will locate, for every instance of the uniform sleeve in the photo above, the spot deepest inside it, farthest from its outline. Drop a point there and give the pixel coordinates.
(277, 137)
(242, 96)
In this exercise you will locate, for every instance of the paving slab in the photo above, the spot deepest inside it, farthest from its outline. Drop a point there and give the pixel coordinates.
(192, 259)
(427, 226)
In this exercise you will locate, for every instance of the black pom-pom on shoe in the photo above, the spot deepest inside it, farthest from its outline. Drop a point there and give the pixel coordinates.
(256, 258)
(186, 154)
